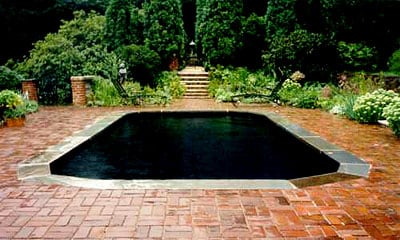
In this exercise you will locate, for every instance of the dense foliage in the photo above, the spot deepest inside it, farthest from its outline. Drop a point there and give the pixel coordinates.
(394, 62)
(163, 29)
(225, 83)
(168, 87)
(119, 29)
(13, 105)
(220, 30)
(143, 63)
(9, 79)
(76, 49)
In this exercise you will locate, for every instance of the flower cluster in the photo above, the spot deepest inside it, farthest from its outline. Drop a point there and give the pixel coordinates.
(10, 99)
(369, 107)
(392, 115)
(297, 76)
(290, 84)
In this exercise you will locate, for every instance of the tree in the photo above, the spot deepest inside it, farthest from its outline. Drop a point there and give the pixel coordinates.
(163, 29)
(220, 30)
(293, 46)
(118, 29)
(76, 49)
(253, 41)
(280, 18)
(23, 22)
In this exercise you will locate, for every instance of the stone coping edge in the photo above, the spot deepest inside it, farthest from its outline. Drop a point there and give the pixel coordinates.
(37, 169)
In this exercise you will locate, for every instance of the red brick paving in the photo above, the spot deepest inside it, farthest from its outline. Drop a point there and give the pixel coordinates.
(355, 209)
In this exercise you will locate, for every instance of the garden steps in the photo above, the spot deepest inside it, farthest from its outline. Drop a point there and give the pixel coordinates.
(195, 79)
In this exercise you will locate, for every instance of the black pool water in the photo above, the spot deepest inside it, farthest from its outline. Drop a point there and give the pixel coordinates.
(193, 145)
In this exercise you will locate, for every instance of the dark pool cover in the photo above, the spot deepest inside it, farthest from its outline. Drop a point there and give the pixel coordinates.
(194, 145)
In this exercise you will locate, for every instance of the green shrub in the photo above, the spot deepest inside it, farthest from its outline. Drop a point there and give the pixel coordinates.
(357, 56)
(293, 94)
(392, 114)
(299, 49)
(368, 108)
(155, 97)
(31, 106)
(289, 92)
(104, 93)
(170, 83)
(394, 62)
(228, 82)
(220, 30)
(360, 83)
(10, 99)
(14, 105)
(143, 63)
(118, 30)
(76, 49)
(9, 79)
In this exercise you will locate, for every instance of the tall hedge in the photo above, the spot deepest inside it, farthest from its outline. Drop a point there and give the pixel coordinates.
(163, 29)
(220, 30)
(118, 29)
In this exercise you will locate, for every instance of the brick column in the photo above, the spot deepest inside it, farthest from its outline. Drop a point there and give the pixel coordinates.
(30, 89)
(80, 89)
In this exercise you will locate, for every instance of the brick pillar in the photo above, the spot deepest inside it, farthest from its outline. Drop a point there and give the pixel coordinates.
(80, 89)
(29, 88)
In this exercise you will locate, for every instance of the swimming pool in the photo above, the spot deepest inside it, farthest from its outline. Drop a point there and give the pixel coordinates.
(223, 149)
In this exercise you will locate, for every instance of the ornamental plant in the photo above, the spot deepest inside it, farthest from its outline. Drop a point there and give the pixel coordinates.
(10, 99)
(392, 114)
(11, 104)
(368, 108)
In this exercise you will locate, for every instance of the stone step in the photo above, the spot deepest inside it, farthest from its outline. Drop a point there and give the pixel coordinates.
(195, 90)
(194, 77)
(196, 97)
(195, 82)
(196, 85)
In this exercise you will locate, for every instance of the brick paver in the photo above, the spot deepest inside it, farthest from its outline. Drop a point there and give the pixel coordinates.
(355, 209)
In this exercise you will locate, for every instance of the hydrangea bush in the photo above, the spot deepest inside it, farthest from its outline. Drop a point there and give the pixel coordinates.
(392, 115)
(369, 107)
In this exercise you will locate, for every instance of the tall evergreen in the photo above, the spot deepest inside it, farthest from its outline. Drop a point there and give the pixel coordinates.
(280, 18)
(118, 30)
(163, 29)
(221, 30)
(201, 14)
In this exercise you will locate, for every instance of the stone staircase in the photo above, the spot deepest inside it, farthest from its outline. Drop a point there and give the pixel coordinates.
(196, 81)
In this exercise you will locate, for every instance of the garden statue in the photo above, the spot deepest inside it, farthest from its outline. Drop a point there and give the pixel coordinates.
(193, 55)
(122, 73)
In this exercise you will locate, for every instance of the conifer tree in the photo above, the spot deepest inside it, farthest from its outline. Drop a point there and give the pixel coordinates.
(163, 29)
(118, 30)
(220, 30)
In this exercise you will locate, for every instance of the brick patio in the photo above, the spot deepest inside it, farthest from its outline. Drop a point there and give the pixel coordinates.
(355, 209)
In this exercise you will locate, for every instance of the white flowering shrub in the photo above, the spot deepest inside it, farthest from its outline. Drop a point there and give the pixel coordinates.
(369, 107)
(392, 114)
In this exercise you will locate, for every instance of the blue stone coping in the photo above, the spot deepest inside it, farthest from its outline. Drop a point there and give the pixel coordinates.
(37, 169)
